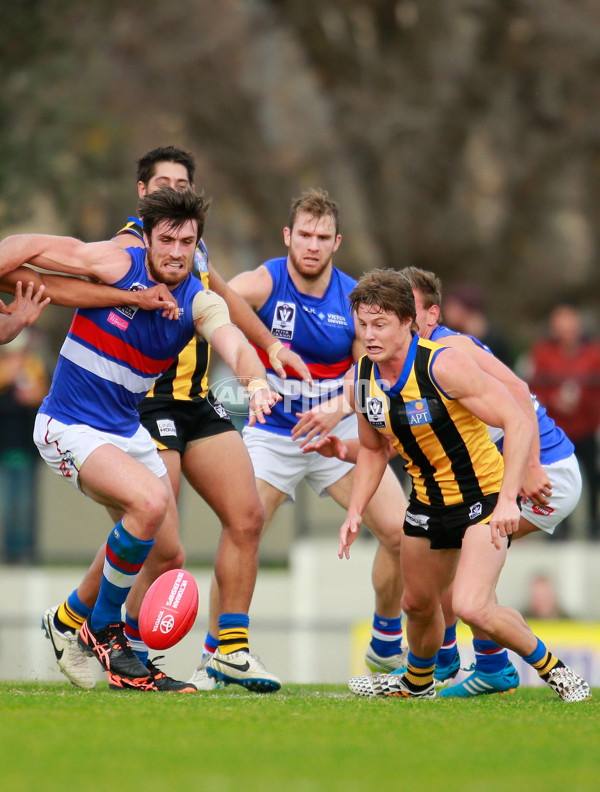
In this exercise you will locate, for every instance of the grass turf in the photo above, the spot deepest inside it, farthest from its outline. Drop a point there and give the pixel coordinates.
(304, 738)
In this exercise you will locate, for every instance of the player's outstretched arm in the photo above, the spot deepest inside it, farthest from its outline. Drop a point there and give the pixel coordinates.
(103, 261)
(73, 292)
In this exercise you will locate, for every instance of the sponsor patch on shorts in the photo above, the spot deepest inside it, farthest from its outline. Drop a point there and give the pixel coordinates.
(166, 427)
(545, 511)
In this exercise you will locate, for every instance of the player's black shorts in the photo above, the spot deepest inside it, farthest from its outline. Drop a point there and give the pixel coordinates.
(445, 527)
(173, 423)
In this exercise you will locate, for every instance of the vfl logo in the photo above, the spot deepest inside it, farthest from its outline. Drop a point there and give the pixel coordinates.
(418, 412)
(201, 259)
(475, 511)
(221, 411)
(284, 320)
(375, 414)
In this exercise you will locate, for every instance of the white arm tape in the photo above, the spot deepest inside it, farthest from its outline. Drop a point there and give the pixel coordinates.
(213, 312)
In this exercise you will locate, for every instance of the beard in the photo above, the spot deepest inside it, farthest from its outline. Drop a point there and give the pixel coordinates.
(306, 273)
(164, 276)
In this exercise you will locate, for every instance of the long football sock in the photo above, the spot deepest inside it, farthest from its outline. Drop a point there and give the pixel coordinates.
(489, 656)
(132, 633)
(72, 613)
(542, 660)
(449, 648)
(210, 645)
(386, 636)
(125, 555)
(419, 673)
(233, 633)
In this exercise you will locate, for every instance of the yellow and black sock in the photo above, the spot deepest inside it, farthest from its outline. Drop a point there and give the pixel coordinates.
(66, 618)
(418, 678)
(233, 639)
(546, 664)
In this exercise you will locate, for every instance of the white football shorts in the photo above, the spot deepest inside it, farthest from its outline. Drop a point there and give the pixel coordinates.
(65, 447)
(565, 478)
(279, 461)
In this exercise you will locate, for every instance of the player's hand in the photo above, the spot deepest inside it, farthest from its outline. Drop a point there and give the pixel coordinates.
(281, 357)
(348, 533)
(262, 398)
(536, 486)
(320, 420)
(504, 521)
(156, 298)
(29, 305)
(328, 446)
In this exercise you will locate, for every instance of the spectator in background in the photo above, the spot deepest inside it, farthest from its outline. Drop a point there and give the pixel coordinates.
(23, 385)
(464, 312)
(563, 370)
(542, 600)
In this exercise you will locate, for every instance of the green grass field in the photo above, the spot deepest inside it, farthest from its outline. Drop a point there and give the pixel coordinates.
(304, 738)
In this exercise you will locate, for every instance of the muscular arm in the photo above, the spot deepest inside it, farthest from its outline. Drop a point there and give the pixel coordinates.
(370, 466)
(73, 292)
(461, 378)
(245, 294)
(536, 484)
(103, 261)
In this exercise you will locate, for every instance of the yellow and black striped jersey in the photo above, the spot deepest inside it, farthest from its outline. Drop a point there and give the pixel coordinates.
(187, 378)
(449, 455)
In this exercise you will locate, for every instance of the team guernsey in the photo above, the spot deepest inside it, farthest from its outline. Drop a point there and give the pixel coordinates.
(112, 357)
(187, 378)
(320, 329)
(554, 444)
(448, 451)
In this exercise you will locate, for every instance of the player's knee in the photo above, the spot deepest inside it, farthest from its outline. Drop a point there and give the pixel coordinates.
(418, 606)
(471, 612)
(248, 525)
(152, 505)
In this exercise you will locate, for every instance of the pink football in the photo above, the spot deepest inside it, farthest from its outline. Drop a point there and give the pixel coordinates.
(169, 609)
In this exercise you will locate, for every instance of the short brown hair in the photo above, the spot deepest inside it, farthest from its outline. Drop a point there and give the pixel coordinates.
(388, 290)
(426, 283)
(317, 203)
(175, 207)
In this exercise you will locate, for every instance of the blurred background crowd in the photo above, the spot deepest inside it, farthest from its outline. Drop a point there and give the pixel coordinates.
(461, 136)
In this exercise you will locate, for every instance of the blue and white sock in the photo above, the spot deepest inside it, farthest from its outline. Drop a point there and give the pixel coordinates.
(386, 636)
(125, 555)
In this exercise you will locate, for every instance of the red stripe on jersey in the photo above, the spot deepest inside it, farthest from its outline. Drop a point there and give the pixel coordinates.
(84, 328)
(121, 564)
(317, 370)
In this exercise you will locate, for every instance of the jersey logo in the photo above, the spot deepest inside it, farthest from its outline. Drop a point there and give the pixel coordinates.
(418, 412)
(201, 260)
(284, 320)
(337, 320)
(117, 321)
(130, 310)
(375, 414)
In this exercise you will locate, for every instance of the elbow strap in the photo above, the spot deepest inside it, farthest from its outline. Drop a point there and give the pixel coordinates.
(212, 312)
